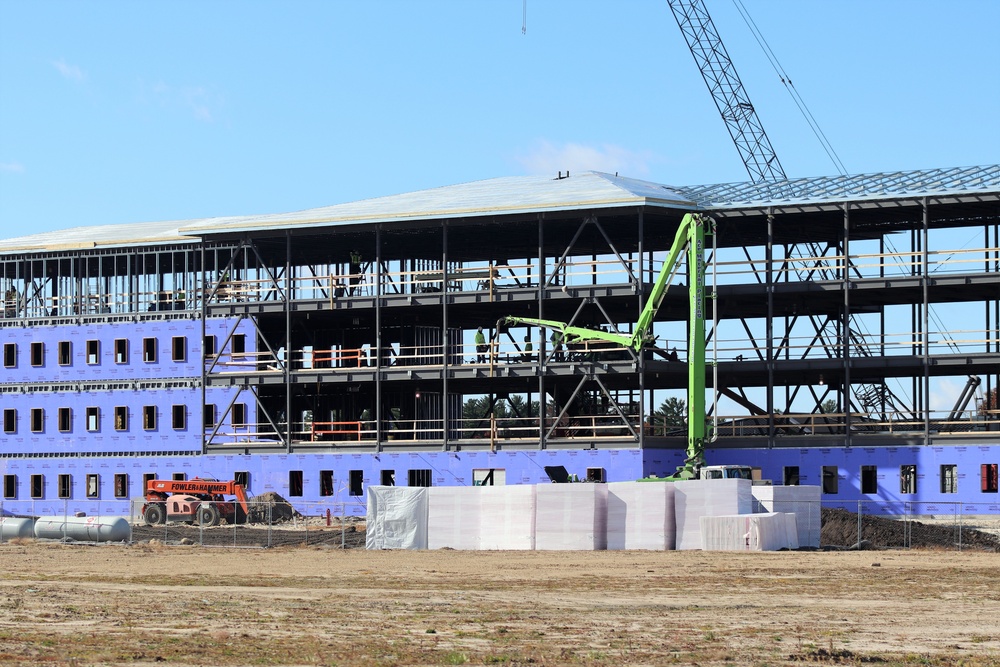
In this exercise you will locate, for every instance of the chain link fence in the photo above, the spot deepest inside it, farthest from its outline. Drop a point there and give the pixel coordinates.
(339, 525)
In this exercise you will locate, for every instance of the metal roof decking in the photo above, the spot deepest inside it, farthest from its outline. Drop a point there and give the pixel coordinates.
(536, 194)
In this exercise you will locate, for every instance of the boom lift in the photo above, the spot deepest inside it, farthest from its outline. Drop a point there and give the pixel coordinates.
(690, 239)
(198, 500)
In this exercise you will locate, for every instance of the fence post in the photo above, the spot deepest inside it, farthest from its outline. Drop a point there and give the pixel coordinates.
(961, 516)
(859, 523)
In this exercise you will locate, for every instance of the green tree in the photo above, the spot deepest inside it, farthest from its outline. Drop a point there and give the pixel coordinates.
(829, 406)
(671, 414)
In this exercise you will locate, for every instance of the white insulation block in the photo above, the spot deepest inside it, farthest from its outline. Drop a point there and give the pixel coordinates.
(802, 501)
(507, 517)
(396, 518)
(571, 517)
(454, 517)
(641, 515)
(696, 498)
(749, 532)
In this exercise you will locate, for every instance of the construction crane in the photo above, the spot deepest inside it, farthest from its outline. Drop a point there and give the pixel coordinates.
(727, 90)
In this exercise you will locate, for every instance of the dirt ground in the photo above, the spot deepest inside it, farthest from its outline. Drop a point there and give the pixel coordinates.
(148, 604)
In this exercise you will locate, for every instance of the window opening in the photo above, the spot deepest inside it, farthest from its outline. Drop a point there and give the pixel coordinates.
(178, 348)
(242, 477)
(147, 477)
(65, 353)
(294, 482)
(93, 352)
(830, 479)
(9, 355)
(121, 485)
(149, 350)
(65, 419)
(178, 416)
(149, 417)
(908, 479)
(37, 486)
(239, 414)
(93, 419)
(10, 487)
(37, 420)
(65, 486)
(419, 477)
(326, 482)
(121, 418)
(989, 478)
(208, 346)
(93, 485)
(790, 476)
(388, 478)
(10, 420)
(209, 415)
(357, 483)
(949, 478)
(121, 350)
(38, 354)
(869, 479)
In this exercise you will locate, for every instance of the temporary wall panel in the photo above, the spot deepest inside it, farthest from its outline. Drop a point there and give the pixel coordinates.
(641, 515)
(696, 498)
(397, 517)
(454, 517)
(571, 517)
(749, 532)
(507, 516)
(802, 501)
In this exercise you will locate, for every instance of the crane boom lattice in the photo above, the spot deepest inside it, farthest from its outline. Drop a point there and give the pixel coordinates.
(727, 90)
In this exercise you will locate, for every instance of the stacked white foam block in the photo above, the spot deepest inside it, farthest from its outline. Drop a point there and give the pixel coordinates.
(454, 517)
(396, 517)
(571, 517)
(696, 498)
(507, 516)
(749, 532)
(641, 515)
(803, 501)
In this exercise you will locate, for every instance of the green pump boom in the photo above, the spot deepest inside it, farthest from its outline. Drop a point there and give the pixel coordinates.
(690, 238)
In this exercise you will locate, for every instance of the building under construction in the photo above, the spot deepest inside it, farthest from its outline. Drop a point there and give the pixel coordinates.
(853, 342)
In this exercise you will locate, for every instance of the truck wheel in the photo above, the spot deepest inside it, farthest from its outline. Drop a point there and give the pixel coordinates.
(154, 514)
(208, 515)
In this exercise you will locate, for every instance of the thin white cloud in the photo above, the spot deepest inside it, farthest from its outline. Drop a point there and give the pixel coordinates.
(548, 158)
(201, 102)
(12, 167)
(71, 72)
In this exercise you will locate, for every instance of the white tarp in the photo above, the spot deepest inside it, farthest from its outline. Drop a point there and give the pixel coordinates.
(453, 517)
(641, 515)
(803, 501)
(571, 517)
(397, 517)
(749, 532)
(696, 498)
(507, 517)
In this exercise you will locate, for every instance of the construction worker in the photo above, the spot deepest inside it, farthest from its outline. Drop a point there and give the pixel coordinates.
(354, 269)
(557, 341)
(527, 354)
(481, 346)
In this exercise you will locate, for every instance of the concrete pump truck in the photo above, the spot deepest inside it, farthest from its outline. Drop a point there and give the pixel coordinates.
(690, 241)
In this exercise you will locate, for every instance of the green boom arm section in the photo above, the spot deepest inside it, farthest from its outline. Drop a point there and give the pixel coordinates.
(690, 239)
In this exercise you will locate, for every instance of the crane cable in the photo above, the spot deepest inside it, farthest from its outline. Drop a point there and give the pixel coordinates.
(786, 80)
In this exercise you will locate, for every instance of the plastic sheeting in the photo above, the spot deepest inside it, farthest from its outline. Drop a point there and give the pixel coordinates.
(641, 515)
(749, 532)
(507, 517)
(571, 517)
(397, 517)
(802, 501)
(696, 498)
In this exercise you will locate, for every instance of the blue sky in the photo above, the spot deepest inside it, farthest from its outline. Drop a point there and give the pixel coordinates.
(114, 112)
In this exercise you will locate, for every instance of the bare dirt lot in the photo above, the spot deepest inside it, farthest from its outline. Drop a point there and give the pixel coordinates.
(147, 604)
